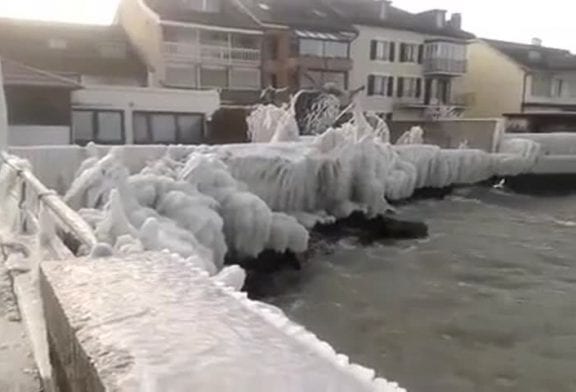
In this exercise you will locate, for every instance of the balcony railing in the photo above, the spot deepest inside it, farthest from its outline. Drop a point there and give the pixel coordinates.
(444, 66)
(212, 53)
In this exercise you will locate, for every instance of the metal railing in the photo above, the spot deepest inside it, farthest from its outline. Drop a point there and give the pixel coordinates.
(30, 196)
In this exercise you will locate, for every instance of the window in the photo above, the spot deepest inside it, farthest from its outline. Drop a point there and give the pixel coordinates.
(245, 78)
(215, 38)
(311, 47)
(99, 126)
(410, 53)
(168, 128)
(319, 48)
(380, 85)
(245, 41)
(202, 5)
(113, 50)
(557, 87)
(383, 51)
(541, 85)
(214, 77)
(315, 79)
(336, 49)
(181, 75)
(409, 87)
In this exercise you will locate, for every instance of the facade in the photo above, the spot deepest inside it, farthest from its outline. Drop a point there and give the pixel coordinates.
(408, 62)
(197, 44)
(89, 55)
(37, 105)
(507, 77)
(306, 43)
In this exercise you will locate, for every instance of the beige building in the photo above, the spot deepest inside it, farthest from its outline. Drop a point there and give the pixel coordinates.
(505, 77)
(408, 62)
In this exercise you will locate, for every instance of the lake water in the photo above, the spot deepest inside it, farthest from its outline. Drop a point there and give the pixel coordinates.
(487, 303)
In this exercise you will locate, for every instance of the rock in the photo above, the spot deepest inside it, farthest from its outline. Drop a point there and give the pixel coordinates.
(373, 229)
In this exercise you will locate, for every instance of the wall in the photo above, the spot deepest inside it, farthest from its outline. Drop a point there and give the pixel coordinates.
(493, 84)
(131, 99)
(475, 133)
(38, 135)
(363, 66)
(145, 32)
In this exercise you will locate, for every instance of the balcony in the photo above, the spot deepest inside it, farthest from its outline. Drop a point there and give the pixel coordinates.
(215, 54)
(444, 66)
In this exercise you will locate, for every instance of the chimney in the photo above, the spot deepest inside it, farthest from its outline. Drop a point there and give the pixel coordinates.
(439, 18)
(456, 21)
(384, 8)
(536, 41)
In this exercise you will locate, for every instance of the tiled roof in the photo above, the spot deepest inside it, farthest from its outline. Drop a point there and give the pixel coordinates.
(229, 16)
(535, 56)
(17, 74)
(298, 14)
(367, 13)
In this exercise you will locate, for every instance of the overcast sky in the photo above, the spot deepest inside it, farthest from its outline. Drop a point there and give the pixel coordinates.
(515, 20)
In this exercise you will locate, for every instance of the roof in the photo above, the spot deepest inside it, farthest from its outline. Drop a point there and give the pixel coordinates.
(367, 13)
(17, 74)
(229, 16)
(298, 14)
(69, 48)
(535, 56)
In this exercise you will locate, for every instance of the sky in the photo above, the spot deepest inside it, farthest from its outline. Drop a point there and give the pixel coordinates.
(513, 20)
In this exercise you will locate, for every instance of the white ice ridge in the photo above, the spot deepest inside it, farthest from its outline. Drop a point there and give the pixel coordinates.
(252, 197)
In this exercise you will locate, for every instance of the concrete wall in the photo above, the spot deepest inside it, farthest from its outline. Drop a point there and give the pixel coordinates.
(145, 32)
(38, 135)
(493, 84)
(479, 134)
(130, 99)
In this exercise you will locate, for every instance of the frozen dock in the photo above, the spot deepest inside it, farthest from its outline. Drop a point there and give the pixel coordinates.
(152, 322)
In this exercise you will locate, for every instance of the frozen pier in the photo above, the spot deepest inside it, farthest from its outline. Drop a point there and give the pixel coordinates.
(153, 322)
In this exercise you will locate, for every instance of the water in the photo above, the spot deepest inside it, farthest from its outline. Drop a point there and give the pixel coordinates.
(487, 303)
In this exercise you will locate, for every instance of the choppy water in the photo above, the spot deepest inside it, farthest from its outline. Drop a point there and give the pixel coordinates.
(488, 303)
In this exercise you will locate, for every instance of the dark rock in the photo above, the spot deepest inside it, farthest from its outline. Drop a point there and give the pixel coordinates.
(268, 261)
(373, 229)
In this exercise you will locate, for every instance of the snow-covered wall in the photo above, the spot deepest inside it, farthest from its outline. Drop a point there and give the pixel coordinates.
(38, 135)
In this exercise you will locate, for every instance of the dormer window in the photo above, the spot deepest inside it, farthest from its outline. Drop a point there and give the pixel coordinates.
(202, 5)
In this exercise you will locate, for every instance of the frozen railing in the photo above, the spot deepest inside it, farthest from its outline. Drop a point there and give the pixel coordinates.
(24, 198)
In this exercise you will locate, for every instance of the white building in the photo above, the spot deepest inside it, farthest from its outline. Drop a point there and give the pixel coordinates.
(407, 61)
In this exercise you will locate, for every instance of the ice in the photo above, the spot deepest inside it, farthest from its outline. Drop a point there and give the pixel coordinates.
(232, 276)
(244, 199)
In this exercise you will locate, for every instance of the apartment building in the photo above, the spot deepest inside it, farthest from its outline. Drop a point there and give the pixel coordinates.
(408, 62)
(197, 44)
(507, 77)
(306, 43)
(89, 55)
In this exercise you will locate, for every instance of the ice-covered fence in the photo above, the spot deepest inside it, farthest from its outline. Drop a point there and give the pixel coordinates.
(557, 151)
(26, 204)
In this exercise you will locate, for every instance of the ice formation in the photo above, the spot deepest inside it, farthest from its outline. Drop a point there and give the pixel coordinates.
(244, 199)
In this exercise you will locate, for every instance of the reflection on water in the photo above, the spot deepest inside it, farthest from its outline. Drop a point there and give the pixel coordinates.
(487, 303)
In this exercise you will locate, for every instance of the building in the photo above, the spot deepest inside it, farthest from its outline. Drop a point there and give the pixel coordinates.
(69, 83)
(37, 105)
(408, 62)
(197, 44)
(306, 43)
(90, 55)
(507, 77)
